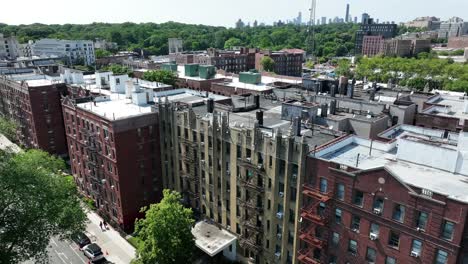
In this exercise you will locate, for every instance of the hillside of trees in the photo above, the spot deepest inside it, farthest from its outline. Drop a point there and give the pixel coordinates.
(332, 40)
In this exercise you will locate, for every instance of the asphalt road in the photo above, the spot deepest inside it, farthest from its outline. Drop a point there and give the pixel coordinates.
(66, 252)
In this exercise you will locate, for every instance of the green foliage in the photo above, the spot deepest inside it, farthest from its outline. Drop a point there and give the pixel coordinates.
(162, 76)
(134, 241)
(8, 129)
(309, 64)
(331, 40)
(165, 232)
(416, 73)
(344, 68)
(268, 64)
(90, 203)
(117, 69)
(451, 53)
(100, 53)
(36, 202)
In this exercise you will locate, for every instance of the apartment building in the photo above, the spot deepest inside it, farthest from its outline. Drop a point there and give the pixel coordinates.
(287, 62)
(33, 102)
(239, 163)
(373, 45)
(113, 142)
(400, 200)
(9, 48)
(454, 27)
(74, 51)
(369, 28)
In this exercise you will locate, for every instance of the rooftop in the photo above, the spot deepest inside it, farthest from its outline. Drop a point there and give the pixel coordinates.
(413, 158)
(212, 239)
(449, 105)
(181, 74)
(115, 107)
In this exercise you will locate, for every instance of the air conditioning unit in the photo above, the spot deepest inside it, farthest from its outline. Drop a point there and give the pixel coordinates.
(260, 166)
(414, 254)
(355, 230)
(278, 255)
(377, 211)
(281, 194)
(419, 229)
(279, 215)
(228, 227)
(279, 235)
(228, 173)
(294, 176)
(373, 236)
(249, 159)
(202, 162)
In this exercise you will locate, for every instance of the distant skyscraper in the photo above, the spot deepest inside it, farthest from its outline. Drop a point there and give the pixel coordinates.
(365, 18)
(347, 14)
(299, 19)
(318, 21)
(324, 20)
(329, 21)
(240, 23)
(355, 20)
(255, 23)
(378, 20)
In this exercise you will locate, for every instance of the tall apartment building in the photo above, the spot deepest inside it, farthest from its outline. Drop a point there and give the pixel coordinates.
(372, 45)
(33, 102)
(113, 143)
(399, 200)
(398, 47)
(230, 61)
(74, 51)
(9, 48)
(242, 168)
(422, 22)
(368, 28)
(454, 27)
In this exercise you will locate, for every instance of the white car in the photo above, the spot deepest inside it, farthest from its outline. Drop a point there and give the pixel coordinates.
(93, 252)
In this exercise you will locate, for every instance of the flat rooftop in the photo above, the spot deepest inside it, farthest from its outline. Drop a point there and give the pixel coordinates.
(211, 239)
(115, 107)
(448, 105)
(181, 74)
(413, 159)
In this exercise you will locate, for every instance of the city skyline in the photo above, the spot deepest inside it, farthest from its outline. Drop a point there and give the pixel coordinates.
(186, 11)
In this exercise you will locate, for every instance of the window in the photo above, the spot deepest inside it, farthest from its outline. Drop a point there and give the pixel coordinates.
(335, 239)
(338, 215)
(340, 191)
(398, 213)
(378, 206)
(441, 257)
(394, 240)
(358, 198)
(352, 246)
(390, 260)
(323, 185)
(416, 247)
(374, 229)
(447, 230)
(371, 254)
(421, 220)
(355, 223)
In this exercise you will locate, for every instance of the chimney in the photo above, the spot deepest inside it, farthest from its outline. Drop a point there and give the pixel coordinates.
(297, 126)
(324, 111)
(210, 105)
(260, 117)
(333, 90)
(332, 107)
(257, 101)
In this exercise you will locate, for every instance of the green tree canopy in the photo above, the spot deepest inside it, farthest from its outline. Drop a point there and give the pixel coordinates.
(165, 232)
(100, 53)
(268, 64)
(36, 202)
(232, 42)
(8, 129)
(117, 69)
(162, 76)
(344, 68)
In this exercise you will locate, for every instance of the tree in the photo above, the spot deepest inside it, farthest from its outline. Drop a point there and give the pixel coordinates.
(36, 202)
(268, 64)
(344, 68)
(100, 53)
(232, 42)
(161, 76)
(8, 129)
(117, 69)
(165, 232)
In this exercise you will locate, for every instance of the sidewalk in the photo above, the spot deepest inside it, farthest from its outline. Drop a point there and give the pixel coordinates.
(118, 249)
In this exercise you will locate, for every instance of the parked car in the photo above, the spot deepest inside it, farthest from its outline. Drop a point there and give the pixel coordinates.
(93, 252)
(81, 239)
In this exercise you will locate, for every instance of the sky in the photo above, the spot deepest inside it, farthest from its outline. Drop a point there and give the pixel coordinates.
(217, 12)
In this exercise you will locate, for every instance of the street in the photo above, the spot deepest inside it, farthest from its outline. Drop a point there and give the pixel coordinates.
(115, 248)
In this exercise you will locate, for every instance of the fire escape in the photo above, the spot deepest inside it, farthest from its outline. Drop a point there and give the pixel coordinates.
(315, 219)
(252, 183)
(95, 172)
(190, 175)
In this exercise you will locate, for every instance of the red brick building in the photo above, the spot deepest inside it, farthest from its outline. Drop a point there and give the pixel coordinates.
(34, 103)
(458, 42)
(287, 62)
(364, 203)
(115, 155)
(373, 45)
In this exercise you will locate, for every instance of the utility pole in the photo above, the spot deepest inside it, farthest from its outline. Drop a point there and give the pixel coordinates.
(311, 30)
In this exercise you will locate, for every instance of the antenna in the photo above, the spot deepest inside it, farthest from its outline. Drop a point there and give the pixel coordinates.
(311, 30)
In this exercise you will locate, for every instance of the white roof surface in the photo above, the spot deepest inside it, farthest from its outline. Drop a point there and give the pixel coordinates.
(212, 239)
(116, 108)
(355, 152)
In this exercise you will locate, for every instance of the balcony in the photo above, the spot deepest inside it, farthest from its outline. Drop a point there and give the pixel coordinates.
(314, 193)
(305, 256)
(309, 213)
(307, 235)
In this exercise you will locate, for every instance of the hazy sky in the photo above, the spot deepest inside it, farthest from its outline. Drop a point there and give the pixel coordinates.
(217, 12)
